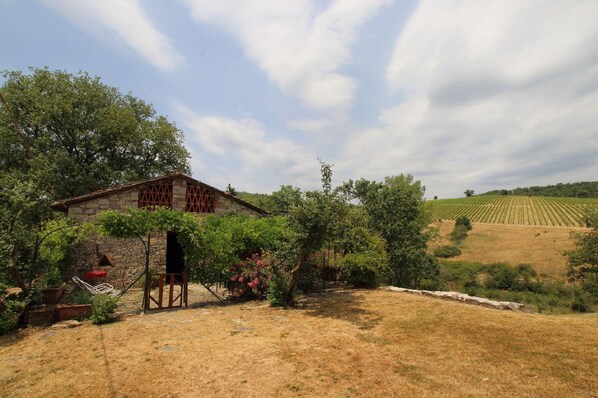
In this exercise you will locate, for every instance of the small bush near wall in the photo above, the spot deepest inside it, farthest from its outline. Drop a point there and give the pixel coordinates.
(447, 251)
(11, 308)
(520, 283)
(102, 308)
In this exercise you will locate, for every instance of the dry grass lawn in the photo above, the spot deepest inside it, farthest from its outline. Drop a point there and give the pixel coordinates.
(542, 247)
(339, 344)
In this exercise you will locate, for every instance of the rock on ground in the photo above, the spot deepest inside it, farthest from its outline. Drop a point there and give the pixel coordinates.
(466, 298)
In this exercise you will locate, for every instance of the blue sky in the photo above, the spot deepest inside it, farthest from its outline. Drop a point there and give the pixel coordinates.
(461, 94)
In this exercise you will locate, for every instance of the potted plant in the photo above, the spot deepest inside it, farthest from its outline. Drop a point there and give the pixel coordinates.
(54, 287)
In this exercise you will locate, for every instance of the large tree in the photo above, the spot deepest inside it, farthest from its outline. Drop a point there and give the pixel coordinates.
(397, 211)
(77, 134)
(63, 135)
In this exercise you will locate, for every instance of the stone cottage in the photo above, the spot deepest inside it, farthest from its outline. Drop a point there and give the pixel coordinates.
(123, 259)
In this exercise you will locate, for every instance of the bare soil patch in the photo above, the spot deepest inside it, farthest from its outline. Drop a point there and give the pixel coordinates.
(338, 344)
(541, 247)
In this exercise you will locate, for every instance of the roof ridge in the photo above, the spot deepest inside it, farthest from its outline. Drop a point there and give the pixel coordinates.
(63, 204)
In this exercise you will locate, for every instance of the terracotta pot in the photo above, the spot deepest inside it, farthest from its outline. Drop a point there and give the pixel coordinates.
(71, 311)
(51, 295)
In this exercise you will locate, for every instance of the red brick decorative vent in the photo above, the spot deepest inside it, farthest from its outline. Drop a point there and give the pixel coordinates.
(156, 195)
(200, 199)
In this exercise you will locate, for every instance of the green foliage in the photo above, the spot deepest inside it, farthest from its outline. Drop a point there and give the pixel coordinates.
(102, 308)
(582, 302)
(250, 277)
(447, 251)
(79, 296)
(282, 201)
(365, 263)
(211, 246)
(224, 241)
(583, 259)
(63, 135)
(257, 199)
(23, 206)
(459, 233)
(469, 192)
(584, 189)
(280, 275)
(502, 276)
(313, 220)
(53, 278)
(520, 284)
(397, 211)
(463, 220)
(230, 190)
(82, 134)
(58, 235)
(11, 308)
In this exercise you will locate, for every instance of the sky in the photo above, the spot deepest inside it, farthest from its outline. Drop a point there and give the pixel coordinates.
(460, 94)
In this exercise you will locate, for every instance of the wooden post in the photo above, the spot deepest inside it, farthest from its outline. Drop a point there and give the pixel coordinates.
(185, 287)
(171, 291)
(161, 290)
(148, 282)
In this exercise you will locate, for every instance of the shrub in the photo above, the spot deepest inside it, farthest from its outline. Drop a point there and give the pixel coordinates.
(250, 277)
(456, 274)
(590, 285)
(526, 269)
(463, 221)
(280, 276)
(501, 276)
(459, 233)
(582, 301)
(447, 251)
(365, 264)
(102, 308)
(11, 308)
(80, 297)
(277, 288)
(367, 269)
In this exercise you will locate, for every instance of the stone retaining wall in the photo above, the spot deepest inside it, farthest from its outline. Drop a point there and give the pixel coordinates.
(465, 298)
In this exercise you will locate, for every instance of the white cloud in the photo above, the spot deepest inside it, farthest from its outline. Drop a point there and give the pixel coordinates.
(247, 142)
(301, 50)
(125, 20)
(495, 94)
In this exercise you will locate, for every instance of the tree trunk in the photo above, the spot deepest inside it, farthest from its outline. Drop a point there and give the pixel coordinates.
(14, 270)
(12, 257)
(289, 299)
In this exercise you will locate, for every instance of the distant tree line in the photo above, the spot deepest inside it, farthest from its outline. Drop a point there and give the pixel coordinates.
(584, 189)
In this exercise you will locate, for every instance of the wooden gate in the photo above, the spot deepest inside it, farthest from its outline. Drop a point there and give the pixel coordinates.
(166, 291)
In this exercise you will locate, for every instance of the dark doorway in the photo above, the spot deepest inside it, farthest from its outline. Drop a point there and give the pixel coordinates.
(175, 256)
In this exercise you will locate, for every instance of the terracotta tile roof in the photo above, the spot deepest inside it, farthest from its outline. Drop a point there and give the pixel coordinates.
(63, 204)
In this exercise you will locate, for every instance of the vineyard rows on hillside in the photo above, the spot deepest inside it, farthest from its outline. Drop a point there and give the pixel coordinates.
(519, 210)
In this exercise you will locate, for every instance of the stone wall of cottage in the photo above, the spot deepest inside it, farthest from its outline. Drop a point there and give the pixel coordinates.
(227, 205)
(127, 256)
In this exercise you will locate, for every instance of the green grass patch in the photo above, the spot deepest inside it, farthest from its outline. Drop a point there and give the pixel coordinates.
(502, 282)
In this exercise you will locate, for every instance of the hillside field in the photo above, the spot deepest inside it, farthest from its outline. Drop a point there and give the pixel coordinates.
(541, 247)
(354, 343)
(516, 210)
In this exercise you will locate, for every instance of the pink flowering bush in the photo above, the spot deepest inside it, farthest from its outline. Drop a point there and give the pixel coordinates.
(250, 277)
